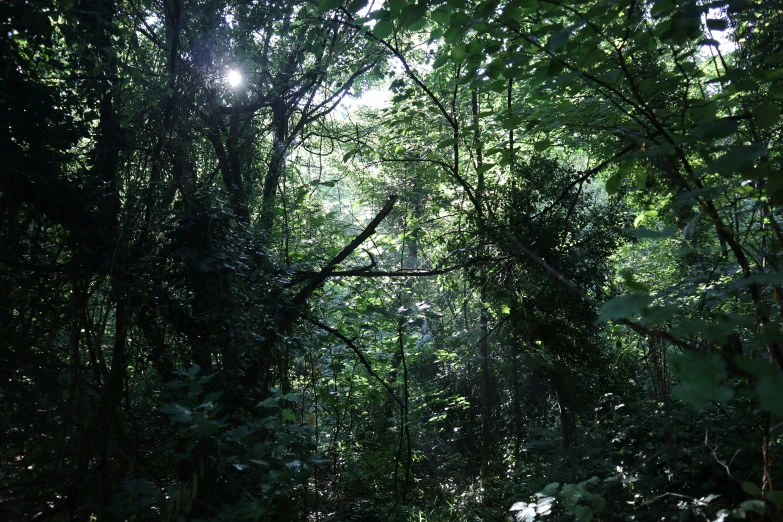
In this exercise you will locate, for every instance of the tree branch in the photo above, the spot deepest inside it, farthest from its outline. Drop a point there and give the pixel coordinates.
(361, 272)
(584, 177)
(359, 354)
(318, 279)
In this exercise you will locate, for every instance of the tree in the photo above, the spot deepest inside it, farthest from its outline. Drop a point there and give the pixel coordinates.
(233, 295)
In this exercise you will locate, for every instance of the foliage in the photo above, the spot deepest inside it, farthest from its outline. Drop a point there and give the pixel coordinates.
(540, 281)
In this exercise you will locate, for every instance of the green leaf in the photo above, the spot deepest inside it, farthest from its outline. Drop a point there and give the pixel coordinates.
(541, 146)
(556, 66)
(661, 7)
(471, 73)
(558, 40)
(631, 283)
(766, 115)
(380, 14)
(512, 122)
(767, 278)
(383, 29)
(395, 6)
(770, 392)
(751, 489)
(639, 219)
(776, 497)
(418, 25)
(583, 513)
(350, 154)
(757, 506)
(498, 86)
(442, 15)
(445, 143)
(328, 5)
(440, 61)
(646, 233)
(737, 160)
(613, 184)
(640, 176)
(413, 14)
(774, 57)
(455, 32)
(458, 52)
(213, 396)
(701, 374)
(624, 306)
(288, 415)
(692, 197)
(704, 112)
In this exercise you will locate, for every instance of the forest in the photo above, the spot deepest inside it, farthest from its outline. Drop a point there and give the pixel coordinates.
(391, 260)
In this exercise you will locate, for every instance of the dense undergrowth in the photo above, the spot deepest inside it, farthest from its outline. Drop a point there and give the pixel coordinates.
(537, 278)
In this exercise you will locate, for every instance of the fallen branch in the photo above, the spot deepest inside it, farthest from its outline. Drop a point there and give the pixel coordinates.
(319, 278)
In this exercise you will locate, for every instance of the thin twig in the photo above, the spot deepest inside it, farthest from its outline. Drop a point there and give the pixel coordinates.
(358, 353)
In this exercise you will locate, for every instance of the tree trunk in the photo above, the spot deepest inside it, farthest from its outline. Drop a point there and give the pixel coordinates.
(567, 423)
(486, 402)
(280, 144)
(486, 390)
(516, 398)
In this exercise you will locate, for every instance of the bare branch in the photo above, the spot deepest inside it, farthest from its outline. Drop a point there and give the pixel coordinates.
(318, 279)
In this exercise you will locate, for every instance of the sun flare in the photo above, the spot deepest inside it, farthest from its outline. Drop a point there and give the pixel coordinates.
(234, 78)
